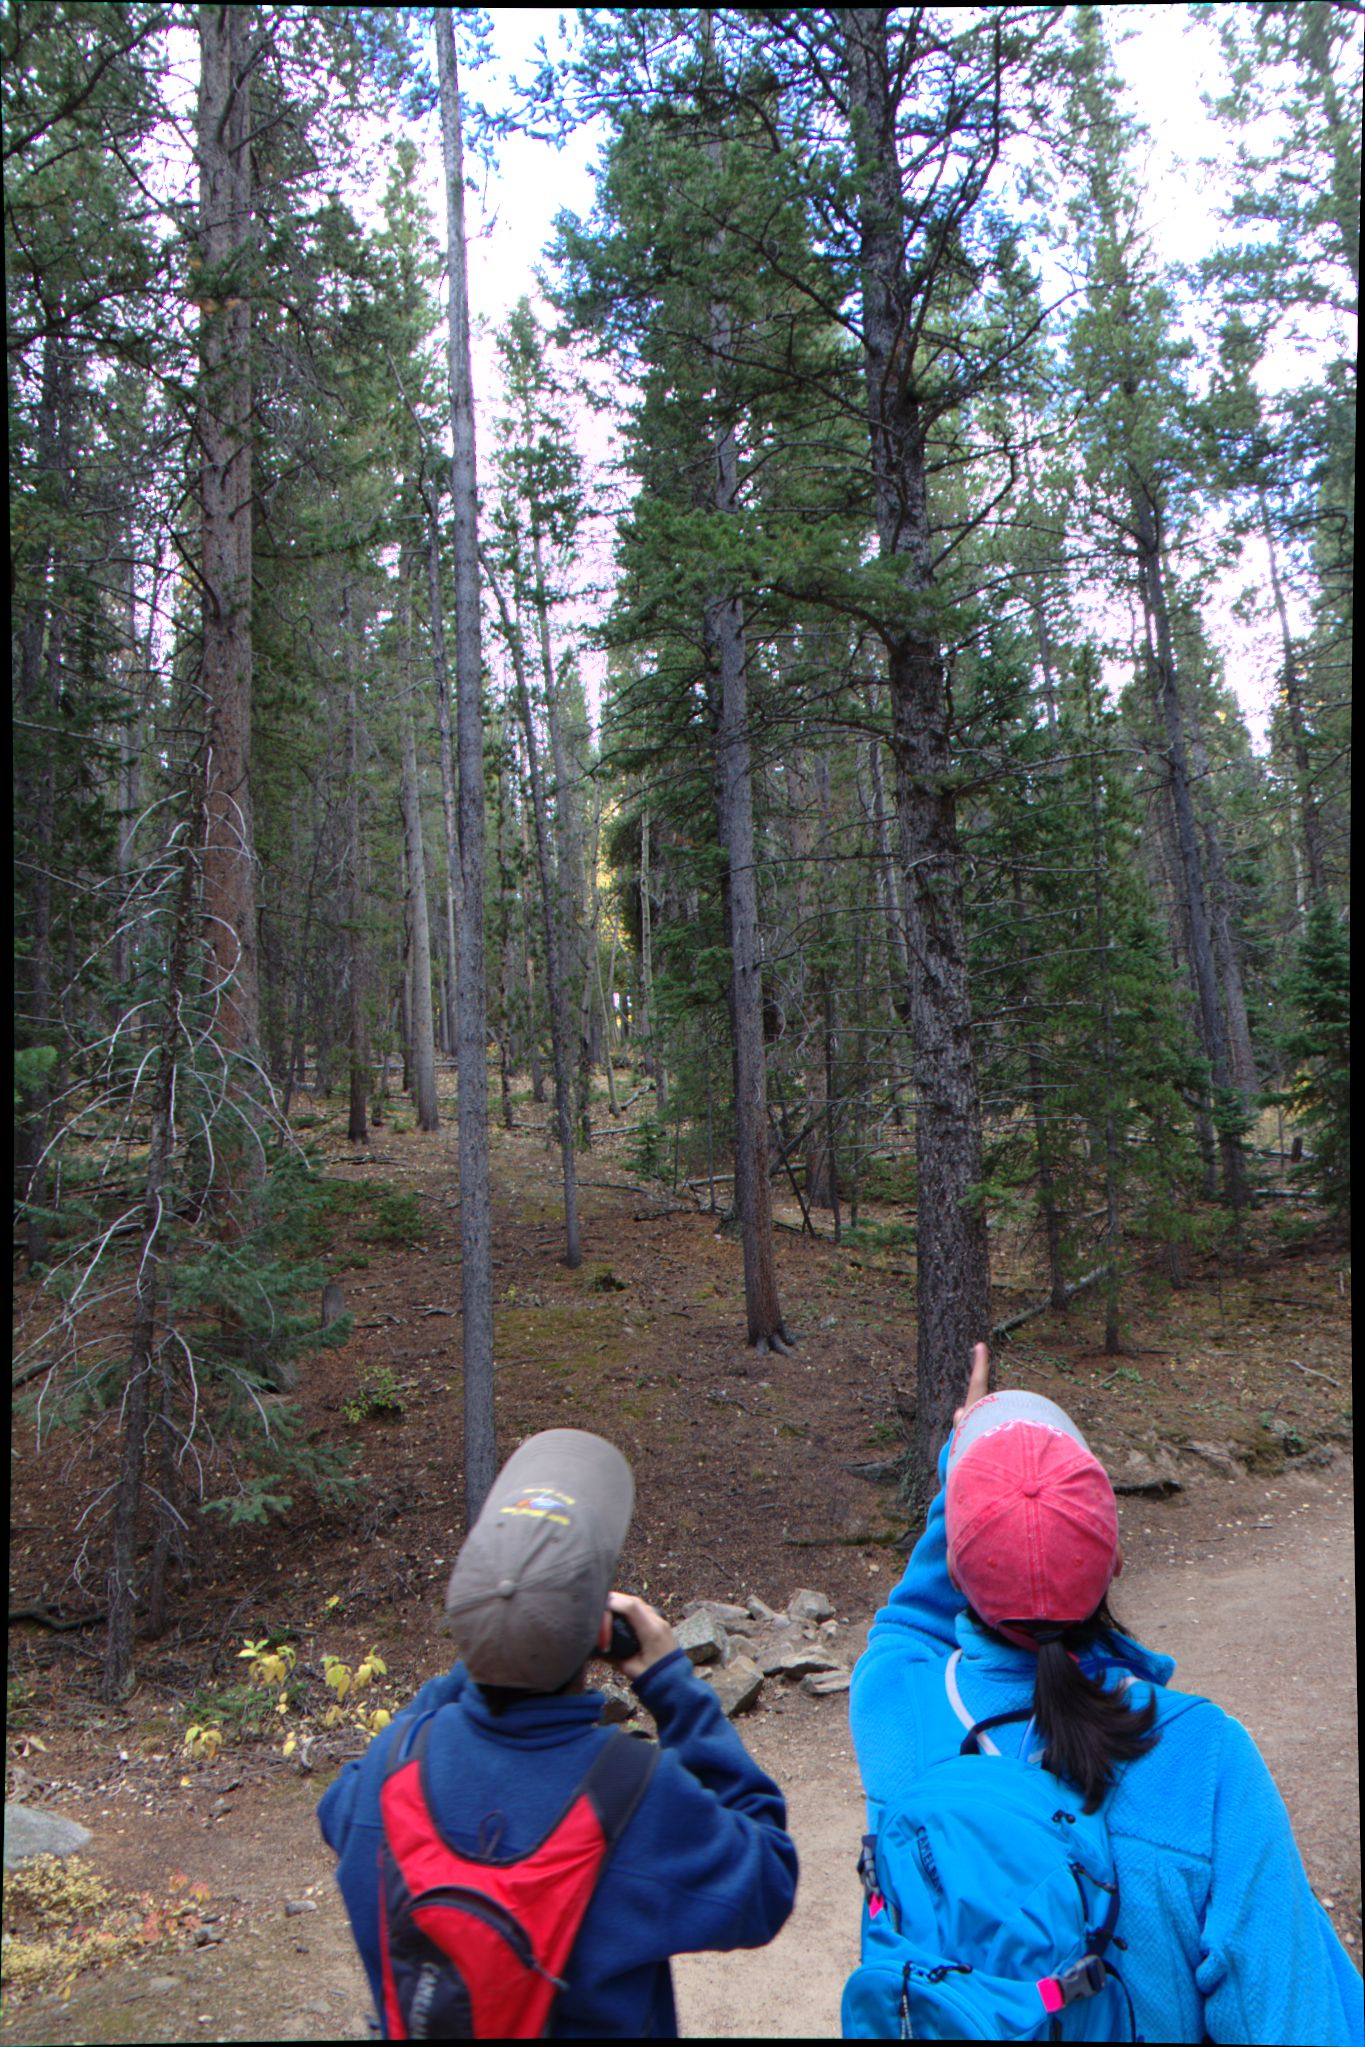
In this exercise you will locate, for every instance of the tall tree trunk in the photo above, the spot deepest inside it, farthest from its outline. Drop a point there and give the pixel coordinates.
(1310, 820)
(39, 686)
(116, 1677)
(552, 904)
(358, 1061)
(507, 895)
(1037, 1098)
(646, 1028)
(405, 976)
(568, 848)
(953, 1277)
(224, 437)
(735, 818)
(423, 1029)
(476, 1248)
(1105, 1053)
(1227, 956)
(422, 1019)
(1161, 656)
(438, 660)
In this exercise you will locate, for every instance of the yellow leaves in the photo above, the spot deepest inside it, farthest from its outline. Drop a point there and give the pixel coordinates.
(202, 1744)
(269, 1665)
(338, 1676)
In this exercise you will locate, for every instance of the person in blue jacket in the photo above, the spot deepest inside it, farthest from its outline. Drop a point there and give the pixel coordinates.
(705, 1860)
(1003, 1606)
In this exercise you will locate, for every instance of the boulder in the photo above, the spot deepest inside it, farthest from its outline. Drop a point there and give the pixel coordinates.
(792, 1663)
(1148, 1472)
(29, 1833)
(759, 1610)
(806, 1605)
(617, 1705)
(728, 1616)
(1222, 1456)
(701, 1638)
(737, 1684)
(823, 1684)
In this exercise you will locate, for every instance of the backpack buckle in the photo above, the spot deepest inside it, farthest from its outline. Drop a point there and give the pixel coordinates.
(1083, 1979)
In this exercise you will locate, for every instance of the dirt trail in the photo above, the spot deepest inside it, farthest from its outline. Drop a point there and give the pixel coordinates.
(1249, 1584)
(1258, 1611)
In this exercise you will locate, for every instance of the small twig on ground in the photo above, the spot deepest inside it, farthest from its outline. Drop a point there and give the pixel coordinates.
(1312, 1374)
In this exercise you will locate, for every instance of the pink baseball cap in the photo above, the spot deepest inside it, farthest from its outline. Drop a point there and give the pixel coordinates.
(1033, 1529)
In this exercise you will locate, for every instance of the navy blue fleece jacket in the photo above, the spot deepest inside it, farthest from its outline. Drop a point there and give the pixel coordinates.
(705, 1862)
(1225, 1939)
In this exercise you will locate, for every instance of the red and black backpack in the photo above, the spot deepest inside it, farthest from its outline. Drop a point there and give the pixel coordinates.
(473, 1947)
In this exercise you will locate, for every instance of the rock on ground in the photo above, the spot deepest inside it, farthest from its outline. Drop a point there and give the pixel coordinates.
(29, 1833)
(806, 1605)
(736, 1684)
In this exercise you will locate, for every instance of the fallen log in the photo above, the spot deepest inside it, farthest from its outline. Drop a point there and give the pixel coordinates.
(1027, 1315)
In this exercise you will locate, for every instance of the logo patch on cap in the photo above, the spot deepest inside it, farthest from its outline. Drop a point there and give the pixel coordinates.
(543, 1503)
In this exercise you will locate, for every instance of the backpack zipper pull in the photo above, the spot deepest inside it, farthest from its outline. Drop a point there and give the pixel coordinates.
(867, 1871)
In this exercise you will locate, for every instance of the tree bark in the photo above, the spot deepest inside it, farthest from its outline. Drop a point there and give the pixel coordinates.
(1227, 957)
(569, 864)
(224, 436)
(552, 906)
(438, 660)
(116, 1677)
(39, 682)
(646, 1030)
(358, 1063)
(954, 1295)
(1161, 656)
(476, 1270)
(420, 1019)
(1310, 821)
(735, 818)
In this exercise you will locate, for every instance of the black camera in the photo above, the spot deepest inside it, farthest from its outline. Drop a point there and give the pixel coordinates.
(624, 1640)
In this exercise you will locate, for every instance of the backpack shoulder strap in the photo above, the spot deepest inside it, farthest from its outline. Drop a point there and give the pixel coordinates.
(409, 1743)
(617, 1781)
(976, 1740)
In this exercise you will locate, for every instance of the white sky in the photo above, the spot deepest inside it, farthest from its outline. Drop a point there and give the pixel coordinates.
(1167, 61)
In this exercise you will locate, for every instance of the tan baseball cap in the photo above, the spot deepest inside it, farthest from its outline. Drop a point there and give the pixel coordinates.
(529, 1588)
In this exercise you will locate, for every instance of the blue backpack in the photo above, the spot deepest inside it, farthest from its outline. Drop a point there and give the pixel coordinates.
(991, 1903)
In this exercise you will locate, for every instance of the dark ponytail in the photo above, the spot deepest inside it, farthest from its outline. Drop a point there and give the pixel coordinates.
(1086, 1729)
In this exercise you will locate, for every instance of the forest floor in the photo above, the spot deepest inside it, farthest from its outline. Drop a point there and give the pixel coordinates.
(1235, 1390)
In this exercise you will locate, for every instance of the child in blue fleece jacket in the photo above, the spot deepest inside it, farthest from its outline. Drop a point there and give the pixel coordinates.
(705, 1861)
(1224, 1938)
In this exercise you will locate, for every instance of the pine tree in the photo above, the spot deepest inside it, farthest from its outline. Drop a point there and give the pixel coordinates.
(1318, 1047)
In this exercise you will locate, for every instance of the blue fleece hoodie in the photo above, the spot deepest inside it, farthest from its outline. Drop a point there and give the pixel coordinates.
(705, 1862)
(1225, 1940)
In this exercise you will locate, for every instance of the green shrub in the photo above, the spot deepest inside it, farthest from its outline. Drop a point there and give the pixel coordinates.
(398, 1219)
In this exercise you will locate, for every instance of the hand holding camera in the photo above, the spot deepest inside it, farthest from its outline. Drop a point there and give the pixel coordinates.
(639, 1635)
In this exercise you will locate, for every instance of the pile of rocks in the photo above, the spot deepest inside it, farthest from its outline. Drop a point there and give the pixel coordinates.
(737, 1649)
